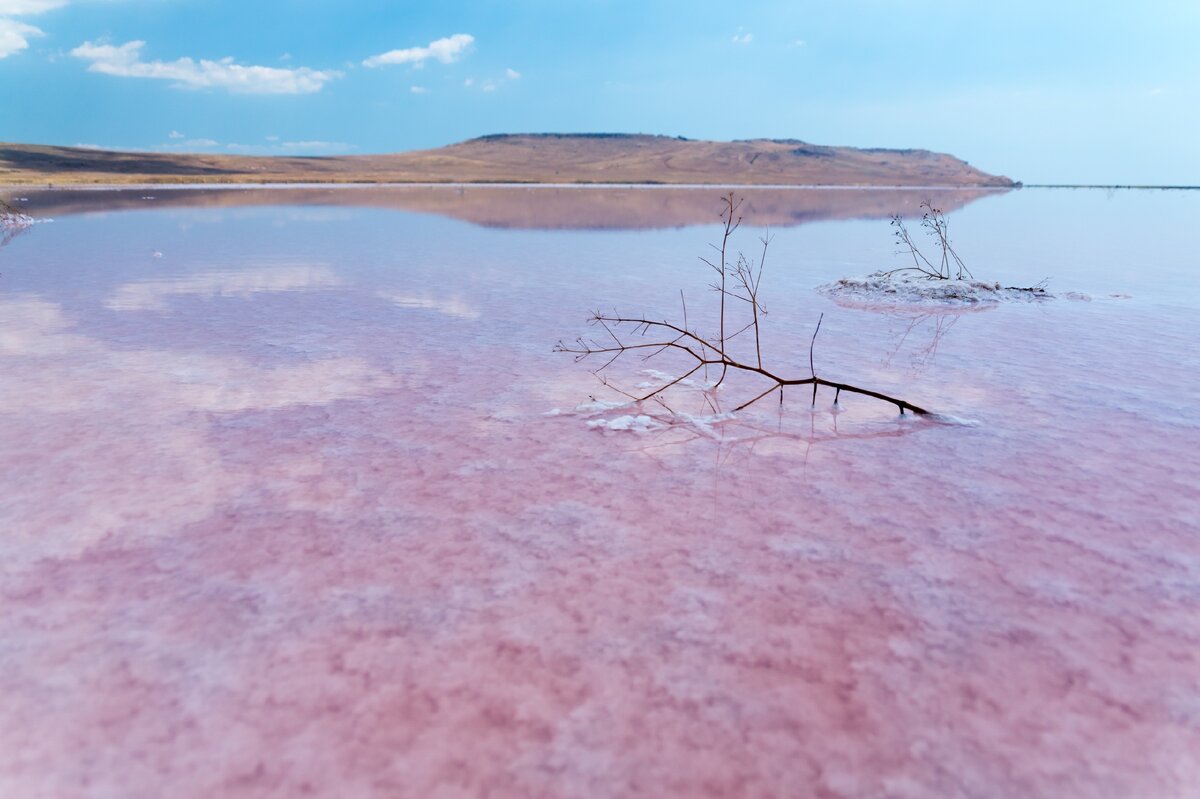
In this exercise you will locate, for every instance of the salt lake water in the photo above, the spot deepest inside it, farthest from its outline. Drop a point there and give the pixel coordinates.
(296, 499)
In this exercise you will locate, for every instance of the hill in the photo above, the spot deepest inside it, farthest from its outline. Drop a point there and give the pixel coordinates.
(514, 158)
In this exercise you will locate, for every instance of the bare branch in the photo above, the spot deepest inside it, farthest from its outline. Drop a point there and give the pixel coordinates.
(812, 344)
(666, 336)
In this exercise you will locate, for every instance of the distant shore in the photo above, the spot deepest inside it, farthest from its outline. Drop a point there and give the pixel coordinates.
(1111, 186)
(520, 206)
(526, 159)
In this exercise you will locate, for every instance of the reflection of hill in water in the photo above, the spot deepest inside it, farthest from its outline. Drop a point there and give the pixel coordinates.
(535, 207)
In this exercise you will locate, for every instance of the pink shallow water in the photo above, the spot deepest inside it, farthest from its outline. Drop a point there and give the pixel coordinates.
(287, 511)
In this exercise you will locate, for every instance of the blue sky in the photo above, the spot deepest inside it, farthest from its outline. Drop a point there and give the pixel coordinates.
(1047, 91)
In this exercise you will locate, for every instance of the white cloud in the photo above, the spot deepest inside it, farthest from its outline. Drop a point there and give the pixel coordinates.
(323, 146)
(744, 38)
(418, 90)
(450, 306)
(446, 50)
(187, 146)
(15, 36)
(277, 147)
(493, 84)
(125, 61)
(1157, 91)
(175, 135)
(798, 43)
(16, 7)
(155, 295)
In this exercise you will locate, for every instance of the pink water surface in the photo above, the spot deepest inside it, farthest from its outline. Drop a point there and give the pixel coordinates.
(295, 501)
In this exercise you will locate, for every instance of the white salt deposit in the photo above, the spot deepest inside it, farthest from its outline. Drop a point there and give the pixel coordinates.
(704, 424)
(15, 221)
(882, 288)
(637, 424)
(600, 406)
(949, 419)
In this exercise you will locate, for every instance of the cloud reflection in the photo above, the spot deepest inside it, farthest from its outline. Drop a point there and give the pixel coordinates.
(450, 306)
(104, 439)
(153, 295)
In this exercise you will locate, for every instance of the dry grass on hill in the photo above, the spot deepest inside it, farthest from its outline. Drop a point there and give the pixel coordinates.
(522, 158)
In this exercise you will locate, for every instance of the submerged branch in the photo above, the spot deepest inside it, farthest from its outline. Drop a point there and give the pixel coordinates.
(739, 280)
(582, 349)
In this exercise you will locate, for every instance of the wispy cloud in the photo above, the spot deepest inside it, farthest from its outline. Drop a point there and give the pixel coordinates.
(418, 90)
(157, 295)
(324, 146)
(450, 306)
(175, 135)
(744, 38)
(276, 147)
(15, 36)
(125, 61)
(447, 50)
(492, 84)
(12, 8)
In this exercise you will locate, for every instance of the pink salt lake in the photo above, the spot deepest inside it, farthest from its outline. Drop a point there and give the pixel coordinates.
(286, 507)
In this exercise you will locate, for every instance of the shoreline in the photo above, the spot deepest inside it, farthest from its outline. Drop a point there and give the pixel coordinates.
(651, 185)
(534, 184)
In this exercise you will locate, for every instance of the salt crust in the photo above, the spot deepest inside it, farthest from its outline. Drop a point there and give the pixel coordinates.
(882, 288)
(13, 222)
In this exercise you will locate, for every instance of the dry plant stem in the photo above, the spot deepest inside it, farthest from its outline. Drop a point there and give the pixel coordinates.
(705, 352)
(936, 225)
(731, 209)
(903, 237)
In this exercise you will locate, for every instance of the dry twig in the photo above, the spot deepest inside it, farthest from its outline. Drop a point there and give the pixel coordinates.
(736, 281)
(950, 266)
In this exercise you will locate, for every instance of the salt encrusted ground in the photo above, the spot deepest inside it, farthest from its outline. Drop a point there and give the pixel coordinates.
(281, 515)
(911, 289)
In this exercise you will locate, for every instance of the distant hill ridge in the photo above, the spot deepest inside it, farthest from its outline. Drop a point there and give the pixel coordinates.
(501, 136)
(593, 158)
(658, 136)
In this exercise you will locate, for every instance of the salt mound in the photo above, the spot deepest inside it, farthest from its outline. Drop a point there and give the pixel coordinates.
(907, 289)
(638, 424)
(11, 220)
